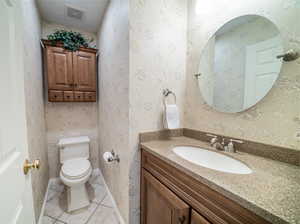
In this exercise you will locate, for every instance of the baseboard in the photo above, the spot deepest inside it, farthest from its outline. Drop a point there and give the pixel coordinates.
(44, 204)
(111, 198)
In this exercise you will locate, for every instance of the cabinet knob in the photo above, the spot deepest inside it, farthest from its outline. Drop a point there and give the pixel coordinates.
(181, 220)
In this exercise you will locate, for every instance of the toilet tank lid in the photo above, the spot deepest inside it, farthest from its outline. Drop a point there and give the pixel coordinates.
(73, 140)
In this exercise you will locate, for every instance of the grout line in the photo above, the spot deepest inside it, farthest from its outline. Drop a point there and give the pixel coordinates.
(93, 213)
(106, 206)
(54, 219)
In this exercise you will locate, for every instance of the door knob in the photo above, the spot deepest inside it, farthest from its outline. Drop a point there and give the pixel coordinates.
(28, 165)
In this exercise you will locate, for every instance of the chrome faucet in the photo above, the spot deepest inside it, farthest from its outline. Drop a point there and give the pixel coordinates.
(214, 142)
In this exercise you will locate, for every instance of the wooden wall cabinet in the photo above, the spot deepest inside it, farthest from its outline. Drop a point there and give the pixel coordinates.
(71, 76)
(170, 196)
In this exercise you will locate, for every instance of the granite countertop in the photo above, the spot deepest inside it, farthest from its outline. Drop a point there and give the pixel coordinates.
(271, 191)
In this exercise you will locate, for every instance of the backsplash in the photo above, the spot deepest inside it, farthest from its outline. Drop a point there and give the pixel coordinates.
(276, 119)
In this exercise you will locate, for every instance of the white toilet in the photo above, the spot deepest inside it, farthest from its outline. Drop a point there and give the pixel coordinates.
(76, 170)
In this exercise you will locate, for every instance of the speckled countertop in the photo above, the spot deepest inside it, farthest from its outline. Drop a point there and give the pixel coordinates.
(271, 191)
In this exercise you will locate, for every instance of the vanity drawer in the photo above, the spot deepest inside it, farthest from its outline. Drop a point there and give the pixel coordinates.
(216, 208)
(90, 96)
(68, 96)
(56, 96)
(78, 96)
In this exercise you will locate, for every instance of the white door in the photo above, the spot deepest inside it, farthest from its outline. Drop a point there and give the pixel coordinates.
(262, 69)
(16, 206)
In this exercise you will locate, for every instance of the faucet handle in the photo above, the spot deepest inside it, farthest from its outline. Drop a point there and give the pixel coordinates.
(230, 147)
(213, 140)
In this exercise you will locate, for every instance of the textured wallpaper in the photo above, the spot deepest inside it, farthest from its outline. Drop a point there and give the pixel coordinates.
(158, 45)
(134, 69)
(69, 119)
(275, 119)
(35, 116)
(114, 100)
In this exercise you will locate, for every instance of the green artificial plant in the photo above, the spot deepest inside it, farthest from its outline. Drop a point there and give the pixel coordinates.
(71, 40)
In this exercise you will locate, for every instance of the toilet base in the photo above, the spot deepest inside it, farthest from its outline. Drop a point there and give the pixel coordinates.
(77, 197)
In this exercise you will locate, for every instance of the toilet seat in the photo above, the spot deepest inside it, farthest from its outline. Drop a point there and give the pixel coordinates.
(76, 168)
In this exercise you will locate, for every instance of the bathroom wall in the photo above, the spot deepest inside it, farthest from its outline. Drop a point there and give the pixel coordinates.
(131, 97)
(274, 120)
(69, 119)
(158, 45)
(113, 42)
(36, 129)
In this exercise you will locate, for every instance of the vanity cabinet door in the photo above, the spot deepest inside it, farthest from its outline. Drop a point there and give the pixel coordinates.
(196, 218)
(59, 68)
(159, 204)
(84, 64)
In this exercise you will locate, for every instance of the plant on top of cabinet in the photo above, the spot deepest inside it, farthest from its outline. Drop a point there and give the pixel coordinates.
(71, 40)
(71, 75)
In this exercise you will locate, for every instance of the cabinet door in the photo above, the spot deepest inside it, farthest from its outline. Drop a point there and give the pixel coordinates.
(84, 65)
(159, 204)
(59, 68)
(198, 219)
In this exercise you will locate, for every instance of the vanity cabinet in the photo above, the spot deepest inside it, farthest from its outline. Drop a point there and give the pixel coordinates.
(71, 76)
(160, 205)
(169, 195)
(196, 218)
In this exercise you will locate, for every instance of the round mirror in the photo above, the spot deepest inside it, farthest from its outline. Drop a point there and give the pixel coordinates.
(239, 64)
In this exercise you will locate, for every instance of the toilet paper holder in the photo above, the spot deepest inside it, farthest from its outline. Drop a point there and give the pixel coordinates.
(115, 157)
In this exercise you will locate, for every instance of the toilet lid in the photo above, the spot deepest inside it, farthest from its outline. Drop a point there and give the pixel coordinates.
(76, 168)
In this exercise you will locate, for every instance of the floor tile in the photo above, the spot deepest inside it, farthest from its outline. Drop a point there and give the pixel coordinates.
(52, 194)
(57, 185)
(107, 201)
(96, 179)
(59, 222)
(54, 207)
(80, 216)
(100, 210)
(96, 193)
(47, 220)
(104, 215)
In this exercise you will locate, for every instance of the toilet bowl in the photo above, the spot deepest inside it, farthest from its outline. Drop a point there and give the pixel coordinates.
(76, 170)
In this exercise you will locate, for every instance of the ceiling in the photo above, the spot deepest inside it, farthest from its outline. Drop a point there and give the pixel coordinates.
(56, 11)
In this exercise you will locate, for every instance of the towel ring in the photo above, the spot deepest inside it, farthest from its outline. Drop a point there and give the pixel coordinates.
(166, 93)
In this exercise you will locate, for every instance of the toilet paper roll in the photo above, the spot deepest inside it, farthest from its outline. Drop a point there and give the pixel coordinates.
(107, 156)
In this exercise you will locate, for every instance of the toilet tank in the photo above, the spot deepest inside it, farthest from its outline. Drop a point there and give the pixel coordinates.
(73, 148)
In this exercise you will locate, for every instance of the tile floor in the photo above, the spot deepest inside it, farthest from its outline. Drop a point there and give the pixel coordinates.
(100, 210)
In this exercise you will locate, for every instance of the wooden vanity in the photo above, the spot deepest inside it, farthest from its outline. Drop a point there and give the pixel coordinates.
(169, 196)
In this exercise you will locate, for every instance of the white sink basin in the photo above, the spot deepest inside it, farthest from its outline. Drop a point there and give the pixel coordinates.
(212, 160)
